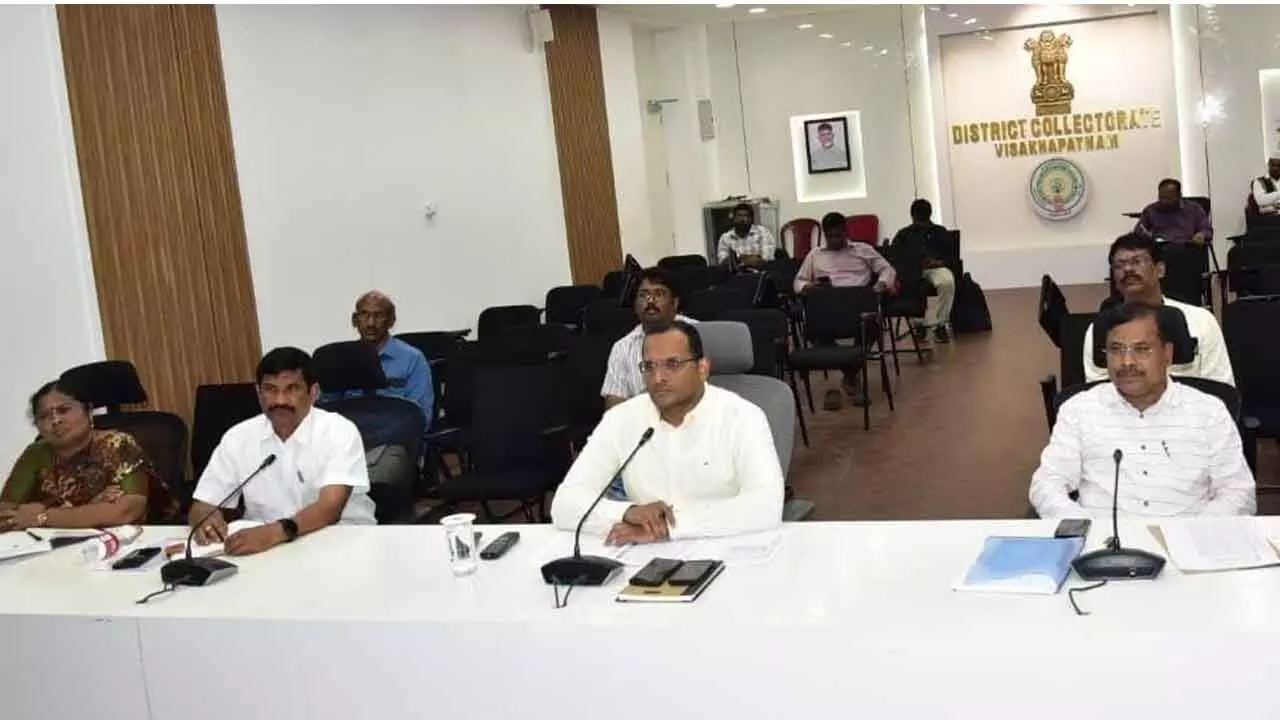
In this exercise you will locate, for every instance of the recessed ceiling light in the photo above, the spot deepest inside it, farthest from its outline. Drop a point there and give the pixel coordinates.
(825, 36)
(868, 48)
(846, 43)
(970, 21)
(934, 8)
(884, 51)
(953, 16)
(725, 6)
(804, 26)
(757, 11)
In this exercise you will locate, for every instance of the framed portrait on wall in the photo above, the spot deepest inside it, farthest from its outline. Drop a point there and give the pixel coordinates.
(827, 143)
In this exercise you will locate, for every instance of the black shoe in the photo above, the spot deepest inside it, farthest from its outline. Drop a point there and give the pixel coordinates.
(941, 335)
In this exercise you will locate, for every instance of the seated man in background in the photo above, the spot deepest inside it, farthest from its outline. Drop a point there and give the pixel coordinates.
(840, 263)
(657, 303)
(1136, 269)
(929, 242)
(1263, 207)
(709, 469)
(1173, 219)
(318, 477)
(1181, 449)
(407, 370)
(752, 243)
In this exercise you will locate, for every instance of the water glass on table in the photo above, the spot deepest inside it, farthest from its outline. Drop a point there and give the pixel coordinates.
(459, 534)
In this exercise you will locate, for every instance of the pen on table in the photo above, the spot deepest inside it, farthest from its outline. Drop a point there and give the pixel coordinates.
(1165, 445)
(35, 537)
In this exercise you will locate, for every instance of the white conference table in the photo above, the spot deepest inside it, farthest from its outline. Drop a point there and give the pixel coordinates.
(846, 620)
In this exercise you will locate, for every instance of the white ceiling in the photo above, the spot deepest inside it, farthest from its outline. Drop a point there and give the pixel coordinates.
(706, 14)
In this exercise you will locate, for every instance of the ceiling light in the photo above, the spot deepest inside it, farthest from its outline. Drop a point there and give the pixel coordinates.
(934, 8)
(970, 21)
(868, 48)
(757, 11)
(847, 43)
(953, 16)
(825, 36)
(725, 6)
(804, 26)
(884, 51)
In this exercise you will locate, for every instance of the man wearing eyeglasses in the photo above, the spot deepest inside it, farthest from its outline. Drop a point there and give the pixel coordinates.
(1180, 449)
(709, 469)
(407, 370)
(1136, 269)
(657, 303)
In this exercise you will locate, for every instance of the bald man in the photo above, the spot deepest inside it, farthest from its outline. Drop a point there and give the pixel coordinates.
(407, 370)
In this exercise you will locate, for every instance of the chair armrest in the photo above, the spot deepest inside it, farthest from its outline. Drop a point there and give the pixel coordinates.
(442, 434)
(1249, 441)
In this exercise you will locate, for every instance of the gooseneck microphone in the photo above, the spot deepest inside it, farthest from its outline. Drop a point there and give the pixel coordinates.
(1115, 562)
(589, 570)
(206, 571)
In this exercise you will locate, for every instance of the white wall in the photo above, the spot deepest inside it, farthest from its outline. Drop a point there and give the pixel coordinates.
(626, 137)
(46, 280)
(648, 84)
(348, 119)
(787, 72)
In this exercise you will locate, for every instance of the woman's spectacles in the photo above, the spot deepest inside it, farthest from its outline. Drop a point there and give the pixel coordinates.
(670, 365)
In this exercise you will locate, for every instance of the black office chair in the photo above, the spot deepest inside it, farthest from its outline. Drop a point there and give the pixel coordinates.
(517, 445)
(1249, 327)
(218, 408)
(435, 346)
(840, 313)
(566, 304)
(604, 318)
(710, 303)
(911, 301)
(1053, 309)
(769, 330)
(113, 384)
(585, 367)
(1187, 275)
(677, 262)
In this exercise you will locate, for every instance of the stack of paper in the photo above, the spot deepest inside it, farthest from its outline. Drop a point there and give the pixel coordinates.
(1213, 544)
(1036, 565)
(19, 544)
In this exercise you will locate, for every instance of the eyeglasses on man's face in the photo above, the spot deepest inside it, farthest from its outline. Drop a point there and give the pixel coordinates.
(1135, 262)
(669, 365)
(1138, 350)
(658, 293)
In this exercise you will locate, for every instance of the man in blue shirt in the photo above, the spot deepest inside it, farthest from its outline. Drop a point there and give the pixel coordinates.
(407, 370)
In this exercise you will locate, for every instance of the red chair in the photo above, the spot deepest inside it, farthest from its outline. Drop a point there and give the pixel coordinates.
(804, 233)
(863, 229)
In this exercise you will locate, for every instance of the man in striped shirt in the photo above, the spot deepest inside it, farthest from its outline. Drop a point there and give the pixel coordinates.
(1181, 450)
(657, 304)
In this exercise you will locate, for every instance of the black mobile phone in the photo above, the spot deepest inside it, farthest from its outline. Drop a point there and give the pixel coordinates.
(135, 559)
(692, 572)
(1073, 527)
(499, 547)
(656, 572)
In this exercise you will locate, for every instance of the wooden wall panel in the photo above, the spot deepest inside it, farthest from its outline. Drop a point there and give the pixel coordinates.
(582, 143)
(166, 234)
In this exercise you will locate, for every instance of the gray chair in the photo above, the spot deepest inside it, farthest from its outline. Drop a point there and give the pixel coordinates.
(728, 346)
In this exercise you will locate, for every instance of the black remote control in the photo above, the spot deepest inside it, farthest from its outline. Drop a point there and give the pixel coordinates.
(499, 547)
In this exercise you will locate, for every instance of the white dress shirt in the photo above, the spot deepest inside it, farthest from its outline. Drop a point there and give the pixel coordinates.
(1268, 202)
(718, 470)
(1211, 361)
(759, 241)
(325, 450)
(623, 378)
(1182, 456)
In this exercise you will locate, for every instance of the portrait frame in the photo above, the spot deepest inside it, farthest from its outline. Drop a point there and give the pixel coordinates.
(840, 130)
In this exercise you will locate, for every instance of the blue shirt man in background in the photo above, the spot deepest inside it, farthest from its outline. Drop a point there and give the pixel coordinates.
(407, 370)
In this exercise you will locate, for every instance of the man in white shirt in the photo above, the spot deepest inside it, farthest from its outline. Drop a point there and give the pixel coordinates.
(318, 477)
(709, 469)
(753, 244)
(1136, 269)
(1266, 194)
(1181, 450)
(657, 303)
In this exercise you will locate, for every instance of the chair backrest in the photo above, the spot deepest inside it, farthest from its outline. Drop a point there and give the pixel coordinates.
(613, 284)
(564, 305)
(782, 272)
(218, 408)
(108, 384)
(496, 320)
(524, 344)
(728, 345)
(769, 331)
(512, 408)
(676, 262)
(435, 346)
(604, 318)
(163, 437)
(388, 422)
(1185, 266)
(584, 372)
(1204, 203)
(804, 232)
(832, 313)
(692, 278)
(710, 303)
(863, 229)
(1053, 308)
(1249, 329)
(348, 365)
(1071, 352)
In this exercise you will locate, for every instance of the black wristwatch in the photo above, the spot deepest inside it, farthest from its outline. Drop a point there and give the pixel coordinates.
(290, 529)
